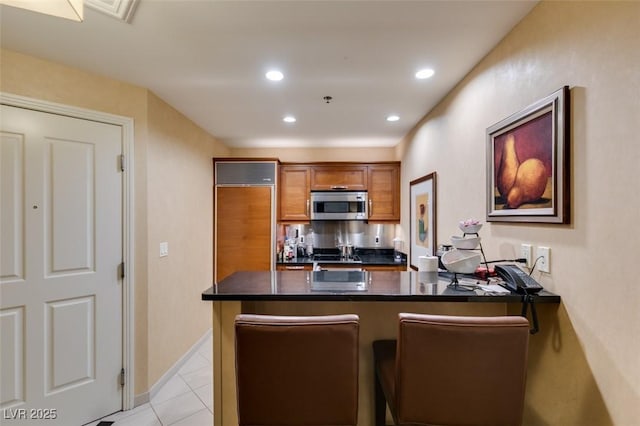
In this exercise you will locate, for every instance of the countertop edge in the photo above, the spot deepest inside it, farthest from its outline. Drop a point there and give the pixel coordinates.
(209, 295)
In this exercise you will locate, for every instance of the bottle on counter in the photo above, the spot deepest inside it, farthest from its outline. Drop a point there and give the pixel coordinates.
(286, 251)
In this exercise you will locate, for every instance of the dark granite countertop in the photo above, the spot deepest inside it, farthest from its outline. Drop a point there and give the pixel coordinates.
(368, 256)
(356, 286)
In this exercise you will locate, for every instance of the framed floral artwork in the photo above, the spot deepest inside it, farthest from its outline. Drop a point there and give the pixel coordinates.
(422, 233)
(528, 163)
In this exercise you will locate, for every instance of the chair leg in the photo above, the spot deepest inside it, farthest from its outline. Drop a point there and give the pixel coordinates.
(380, 403)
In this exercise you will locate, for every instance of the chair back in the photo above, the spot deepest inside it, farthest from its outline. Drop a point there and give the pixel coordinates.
(453, 370)
(297, 370)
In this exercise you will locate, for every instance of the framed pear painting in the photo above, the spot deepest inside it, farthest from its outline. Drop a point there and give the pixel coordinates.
(528, 163)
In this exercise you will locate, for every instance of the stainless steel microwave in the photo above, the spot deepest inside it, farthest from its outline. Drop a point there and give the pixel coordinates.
(339, 205)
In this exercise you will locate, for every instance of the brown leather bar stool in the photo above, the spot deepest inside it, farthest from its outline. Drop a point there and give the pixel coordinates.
(298, 370)
(452, 370)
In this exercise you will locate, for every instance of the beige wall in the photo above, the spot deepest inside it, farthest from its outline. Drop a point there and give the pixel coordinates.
(180, 205)
(585, 367)
(319, 154)
(173, 199)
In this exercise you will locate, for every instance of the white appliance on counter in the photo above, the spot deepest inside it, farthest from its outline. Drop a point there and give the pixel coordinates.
(244, 216)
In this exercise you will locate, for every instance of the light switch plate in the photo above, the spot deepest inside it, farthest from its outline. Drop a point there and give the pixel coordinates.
(544, 253)
(164, 249)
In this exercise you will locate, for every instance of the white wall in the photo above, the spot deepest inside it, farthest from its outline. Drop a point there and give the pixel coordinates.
(586, 365)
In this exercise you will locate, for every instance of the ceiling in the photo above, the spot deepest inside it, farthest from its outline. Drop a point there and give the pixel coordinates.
(208, 59)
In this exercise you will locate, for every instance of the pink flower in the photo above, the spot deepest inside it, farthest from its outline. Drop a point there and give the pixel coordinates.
(469, 222)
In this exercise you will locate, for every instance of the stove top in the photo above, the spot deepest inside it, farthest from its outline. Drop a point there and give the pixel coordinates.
(335, 258)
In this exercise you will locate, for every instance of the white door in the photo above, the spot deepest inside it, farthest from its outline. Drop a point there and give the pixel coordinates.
(60, 285)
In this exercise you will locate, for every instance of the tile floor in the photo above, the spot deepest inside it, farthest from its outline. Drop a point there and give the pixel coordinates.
(185, 400)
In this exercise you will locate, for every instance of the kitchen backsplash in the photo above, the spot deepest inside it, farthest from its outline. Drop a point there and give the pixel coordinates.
(328, 234)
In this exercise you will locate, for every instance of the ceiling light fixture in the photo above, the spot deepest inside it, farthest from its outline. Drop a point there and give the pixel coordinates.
(69, 9)
(274, 75)
(393, 118)
(289, 119)
(425, 73)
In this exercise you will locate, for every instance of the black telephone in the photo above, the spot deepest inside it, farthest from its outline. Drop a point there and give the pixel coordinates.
(515, 279)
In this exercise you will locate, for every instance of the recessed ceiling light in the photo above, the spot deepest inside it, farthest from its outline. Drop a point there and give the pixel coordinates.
(425, 73)
(289, 119)
(274, 75)
(393, 118)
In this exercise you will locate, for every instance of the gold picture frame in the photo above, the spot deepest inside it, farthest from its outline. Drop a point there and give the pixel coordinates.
(528, 163)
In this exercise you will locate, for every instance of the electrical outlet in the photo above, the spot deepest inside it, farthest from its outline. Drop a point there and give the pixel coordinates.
(544, 253)
(164, 249)
(377, 240)
(526, 252)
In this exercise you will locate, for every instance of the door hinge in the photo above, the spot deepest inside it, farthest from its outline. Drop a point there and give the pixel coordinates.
(122, 377)
(121, 270)
(122, 162)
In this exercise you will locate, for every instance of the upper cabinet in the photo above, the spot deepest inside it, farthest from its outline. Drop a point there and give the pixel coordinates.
(381, 180)
(384, 192)
(339, 177)
(293, 193)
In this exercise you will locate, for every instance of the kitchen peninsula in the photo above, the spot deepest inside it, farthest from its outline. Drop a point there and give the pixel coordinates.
(376, 297)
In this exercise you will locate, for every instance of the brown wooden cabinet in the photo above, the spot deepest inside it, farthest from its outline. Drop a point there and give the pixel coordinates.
(293, 193)
(243, 215)
(381, 180)
(384, 192)
(338, 176)
(384, 268)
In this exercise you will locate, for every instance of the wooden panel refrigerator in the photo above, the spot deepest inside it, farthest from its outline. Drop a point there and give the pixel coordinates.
(244, 216)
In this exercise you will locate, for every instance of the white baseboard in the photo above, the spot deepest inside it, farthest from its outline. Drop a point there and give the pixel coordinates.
(145, 397)
(141, 399)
